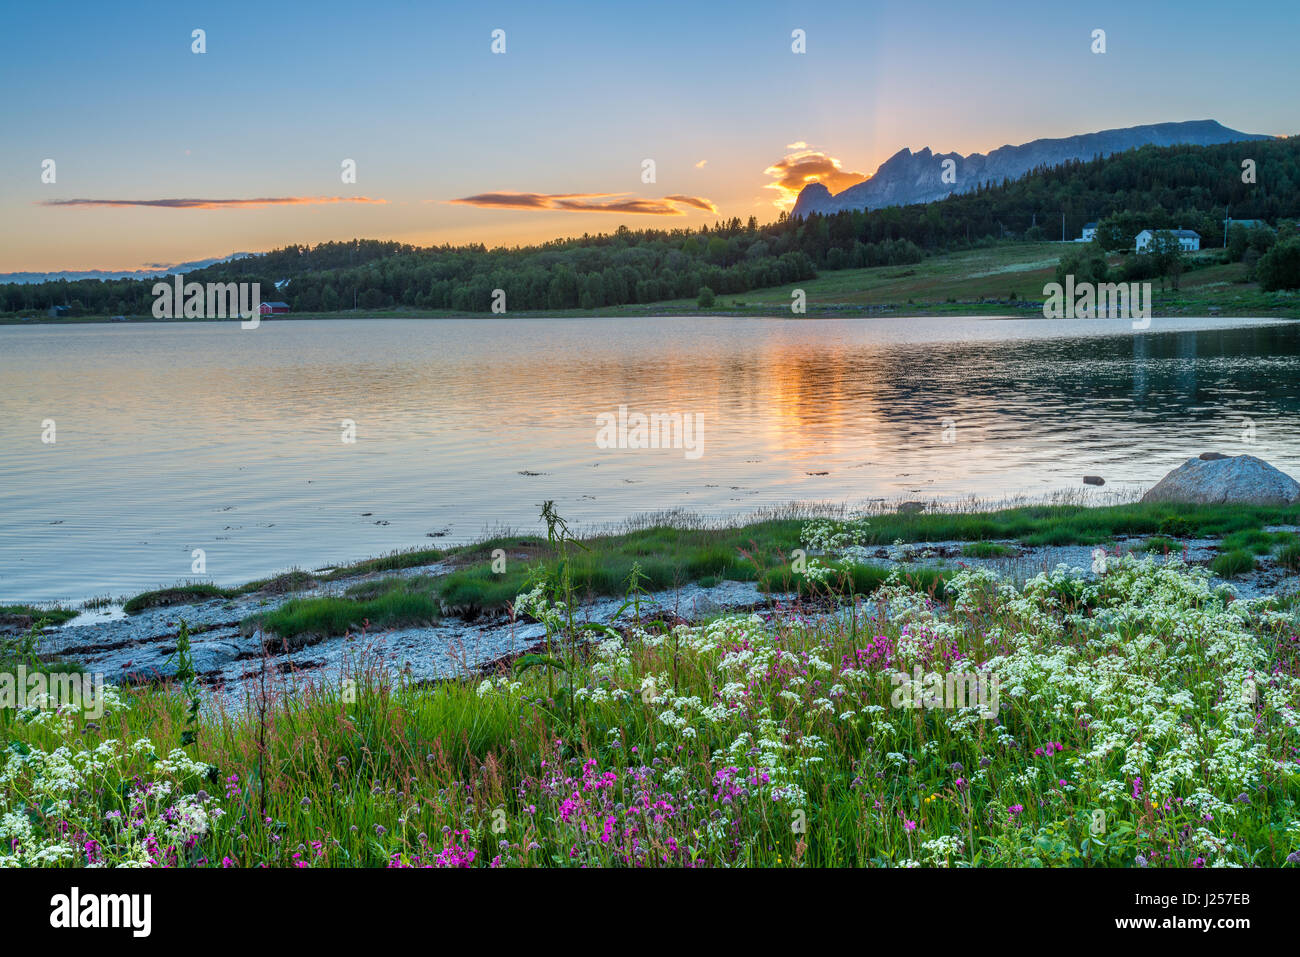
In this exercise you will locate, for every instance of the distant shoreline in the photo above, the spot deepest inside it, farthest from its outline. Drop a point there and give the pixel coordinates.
(989, 310)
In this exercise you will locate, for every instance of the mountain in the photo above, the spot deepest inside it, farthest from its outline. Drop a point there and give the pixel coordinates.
(906, 177)
(155, 269)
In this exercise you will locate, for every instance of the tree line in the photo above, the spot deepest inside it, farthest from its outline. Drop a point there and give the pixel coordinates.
(1190, 187)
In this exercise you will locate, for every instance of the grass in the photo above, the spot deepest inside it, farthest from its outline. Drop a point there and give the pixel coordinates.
(982, 281)
(1078, 524)
(853, 579)
(1288, 556)
(1233, 563)
(182, 594)
(1159, 545)
(1256, 541)
(392, 562)
(667, 556)
(675, 550)
(738, 742)
(21, 649)
(26, 615)
(986, 550)
(300, 620)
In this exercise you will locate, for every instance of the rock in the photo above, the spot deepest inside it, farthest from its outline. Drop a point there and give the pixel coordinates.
(1093, 480)
(1241, 479)
(908, 508)
(1211, 456)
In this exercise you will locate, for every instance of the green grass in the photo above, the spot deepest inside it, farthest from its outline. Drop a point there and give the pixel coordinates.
(1231, 564)
(183, 594)
(674, 551)
(1256, 541)
(23, 615)
(404, 603)
(987, 550)
(853, 579)
(1288, 556)
(392, 562)
(23, 648)
(1159, 545)
(981, 281)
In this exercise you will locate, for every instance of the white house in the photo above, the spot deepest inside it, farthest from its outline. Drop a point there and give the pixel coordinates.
(1188, 239)
(1089, 232)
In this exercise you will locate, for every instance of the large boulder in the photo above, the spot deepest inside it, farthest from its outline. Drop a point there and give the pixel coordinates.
(1236, 478)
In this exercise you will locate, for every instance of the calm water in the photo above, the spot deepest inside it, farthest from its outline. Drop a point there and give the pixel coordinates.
(176, 437)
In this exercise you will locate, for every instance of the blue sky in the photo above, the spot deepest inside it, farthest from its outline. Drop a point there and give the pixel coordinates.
(584, 93)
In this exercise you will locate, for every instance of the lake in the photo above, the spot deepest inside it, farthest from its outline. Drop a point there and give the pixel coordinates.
(175, 437)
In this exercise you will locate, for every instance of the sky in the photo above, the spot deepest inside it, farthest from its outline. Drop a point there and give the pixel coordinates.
(454, 143)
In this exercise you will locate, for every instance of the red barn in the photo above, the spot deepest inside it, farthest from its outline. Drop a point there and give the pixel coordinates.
(274, 308)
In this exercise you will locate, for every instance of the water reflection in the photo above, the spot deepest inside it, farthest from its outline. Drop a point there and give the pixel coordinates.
(175, 437)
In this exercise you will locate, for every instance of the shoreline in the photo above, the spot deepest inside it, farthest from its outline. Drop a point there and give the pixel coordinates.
(960, 310)
(439, 613)
(398, 560)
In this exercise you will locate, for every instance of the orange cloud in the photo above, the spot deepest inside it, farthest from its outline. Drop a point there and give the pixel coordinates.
(588, 202)
(807, 165)
(216, 203)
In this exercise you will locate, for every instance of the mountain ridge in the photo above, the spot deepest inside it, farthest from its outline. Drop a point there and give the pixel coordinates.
(149, 272)
(907, 178)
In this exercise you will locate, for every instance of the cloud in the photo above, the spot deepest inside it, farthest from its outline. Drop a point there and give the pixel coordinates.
(588, 202)
(807, 165)
(216, 203)
(700, 164)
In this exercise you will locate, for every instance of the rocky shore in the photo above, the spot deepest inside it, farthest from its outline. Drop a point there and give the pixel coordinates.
(231, 656)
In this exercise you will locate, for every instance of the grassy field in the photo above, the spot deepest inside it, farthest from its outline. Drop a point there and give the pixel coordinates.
(1003, 279)
(1136, 720)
